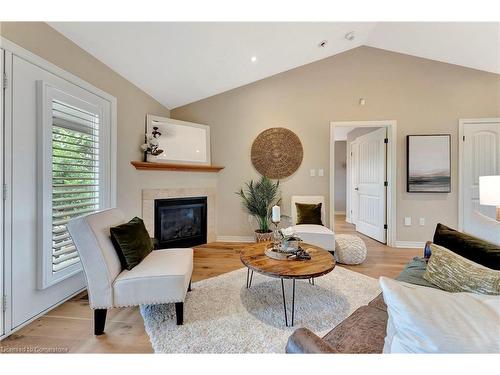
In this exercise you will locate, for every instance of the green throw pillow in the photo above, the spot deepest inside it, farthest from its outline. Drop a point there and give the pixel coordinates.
(132, 242)
(454, 273)
(308, 213)
(470, 247)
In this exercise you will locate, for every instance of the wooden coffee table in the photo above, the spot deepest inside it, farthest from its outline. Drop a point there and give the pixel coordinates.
(321, 263)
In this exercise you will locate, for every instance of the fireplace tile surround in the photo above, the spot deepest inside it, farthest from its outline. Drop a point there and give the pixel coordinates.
(148, 205)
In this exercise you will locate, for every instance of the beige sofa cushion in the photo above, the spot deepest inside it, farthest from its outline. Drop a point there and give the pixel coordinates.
(162, 277)
(317, 235)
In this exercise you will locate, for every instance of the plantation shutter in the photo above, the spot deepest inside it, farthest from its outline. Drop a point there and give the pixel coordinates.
(75, 176)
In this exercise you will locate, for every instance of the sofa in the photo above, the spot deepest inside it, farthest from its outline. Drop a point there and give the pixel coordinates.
(163, 276)
(364, 331)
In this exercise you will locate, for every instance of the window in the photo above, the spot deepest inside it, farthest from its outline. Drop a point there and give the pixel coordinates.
(75, 176)
(75, 159)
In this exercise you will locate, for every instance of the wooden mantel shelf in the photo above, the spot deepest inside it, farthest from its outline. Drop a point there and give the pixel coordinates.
(148, 166)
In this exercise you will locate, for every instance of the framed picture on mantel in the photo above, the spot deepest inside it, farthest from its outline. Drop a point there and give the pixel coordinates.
(181, 142)
(428, 163)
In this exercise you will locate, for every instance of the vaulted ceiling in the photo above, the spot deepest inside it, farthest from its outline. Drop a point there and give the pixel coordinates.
(179, 63)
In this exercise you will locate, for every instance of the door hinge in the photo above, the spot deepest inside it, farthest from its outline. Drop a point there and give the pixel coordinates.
(4, 303)
(4, 81)
(4, 192)
(386, 140)
(386, 183)
(463, 138)
(385, 226)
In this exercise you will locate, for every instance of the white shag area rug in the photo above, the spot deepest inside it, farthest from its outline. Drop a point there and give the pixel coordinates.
(222, 316)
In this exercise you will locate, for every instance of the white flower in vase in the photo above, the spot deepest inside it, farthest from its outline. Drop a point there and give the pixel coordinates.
(287, 232)
(154, 141)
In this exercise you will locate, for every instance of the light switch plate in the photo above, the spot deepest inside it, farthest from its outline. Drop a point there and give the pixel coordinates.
(321, 172)
(407, 221)
(312, 172)
(421, 221)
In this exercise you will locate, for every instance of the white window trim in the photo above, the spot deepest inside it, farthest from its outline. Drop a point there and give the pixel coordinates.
(46, 93)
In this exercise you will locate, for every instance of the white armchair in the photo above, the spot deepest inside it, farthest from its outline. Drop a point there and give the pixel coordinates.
(318, 235)
(164, 276)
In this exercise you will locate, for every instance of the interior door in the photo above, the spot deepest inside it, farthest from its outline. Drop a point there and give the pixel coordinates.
(481, 157)
(370, 188)
(28, 300)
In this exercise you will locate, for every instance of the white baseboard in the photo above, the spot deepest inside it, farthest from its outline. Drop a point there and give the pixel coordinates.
(235, 239)
(410, 244)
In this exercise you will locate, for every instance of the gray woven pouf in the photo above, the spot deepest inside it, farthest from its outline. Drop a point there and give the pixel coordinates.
(349, 249)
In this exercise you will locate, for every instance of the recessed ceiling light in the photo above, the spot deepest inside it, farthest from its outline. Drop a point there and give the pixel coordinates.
(253, 59)
(350, 36)
(323, 43)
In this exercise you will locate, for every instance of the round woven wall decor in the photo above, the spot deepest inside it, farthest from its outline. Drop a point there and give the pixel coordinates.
(277, 153)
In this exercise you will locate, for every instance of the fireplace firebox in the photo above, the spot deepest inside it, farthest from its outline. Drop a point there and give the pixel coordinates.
(180, 222)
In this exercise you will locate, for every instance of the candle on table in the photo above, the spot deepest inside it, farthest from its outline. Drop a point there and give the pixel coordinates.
(276, 218)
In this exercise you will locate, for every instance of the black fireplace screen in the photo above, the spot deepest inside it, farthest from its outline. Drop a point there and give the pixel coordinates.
(181, 222)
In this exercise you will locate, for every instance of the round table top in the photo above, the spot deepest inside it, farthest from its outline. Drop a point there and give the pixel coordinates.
(321, 262)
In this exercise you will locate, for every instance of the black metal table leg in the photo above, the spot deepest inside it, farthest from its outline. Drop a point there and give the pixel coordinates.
(312, 279)
(284, 301)
(248, 274)
(251, 278)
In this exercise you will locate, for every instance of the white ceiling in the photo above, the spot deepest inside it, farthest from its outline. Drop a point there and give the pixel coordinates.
(179, 63)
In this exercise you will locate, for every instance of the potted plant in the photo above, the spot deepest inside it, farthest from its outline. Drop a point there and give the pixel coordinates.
(258, 199)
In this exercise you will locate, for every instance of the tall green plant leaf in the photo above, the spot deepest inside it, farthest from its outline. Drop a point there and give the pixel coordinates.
(258, 199)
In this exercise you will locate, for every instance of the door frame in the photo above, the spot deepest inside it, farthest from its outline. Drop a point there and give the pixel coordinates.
(391, 126)
(461, 131)
(6, 204)
(350, 177)
(2, 293)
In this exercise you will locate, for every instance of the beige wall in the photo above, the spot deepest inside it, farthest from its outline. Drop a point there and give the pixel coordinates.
(424, 96)
(133, 105)
(340, 175)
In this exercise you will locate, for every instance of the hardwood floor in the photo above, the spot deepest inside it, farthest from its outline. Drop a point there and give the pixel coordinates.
(69, 327)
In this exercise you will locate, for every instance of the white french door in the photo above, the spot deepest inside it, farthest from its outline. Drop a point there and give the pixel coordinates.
(61, 169)
(369, 189)
(2, 252)
(480, 156)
